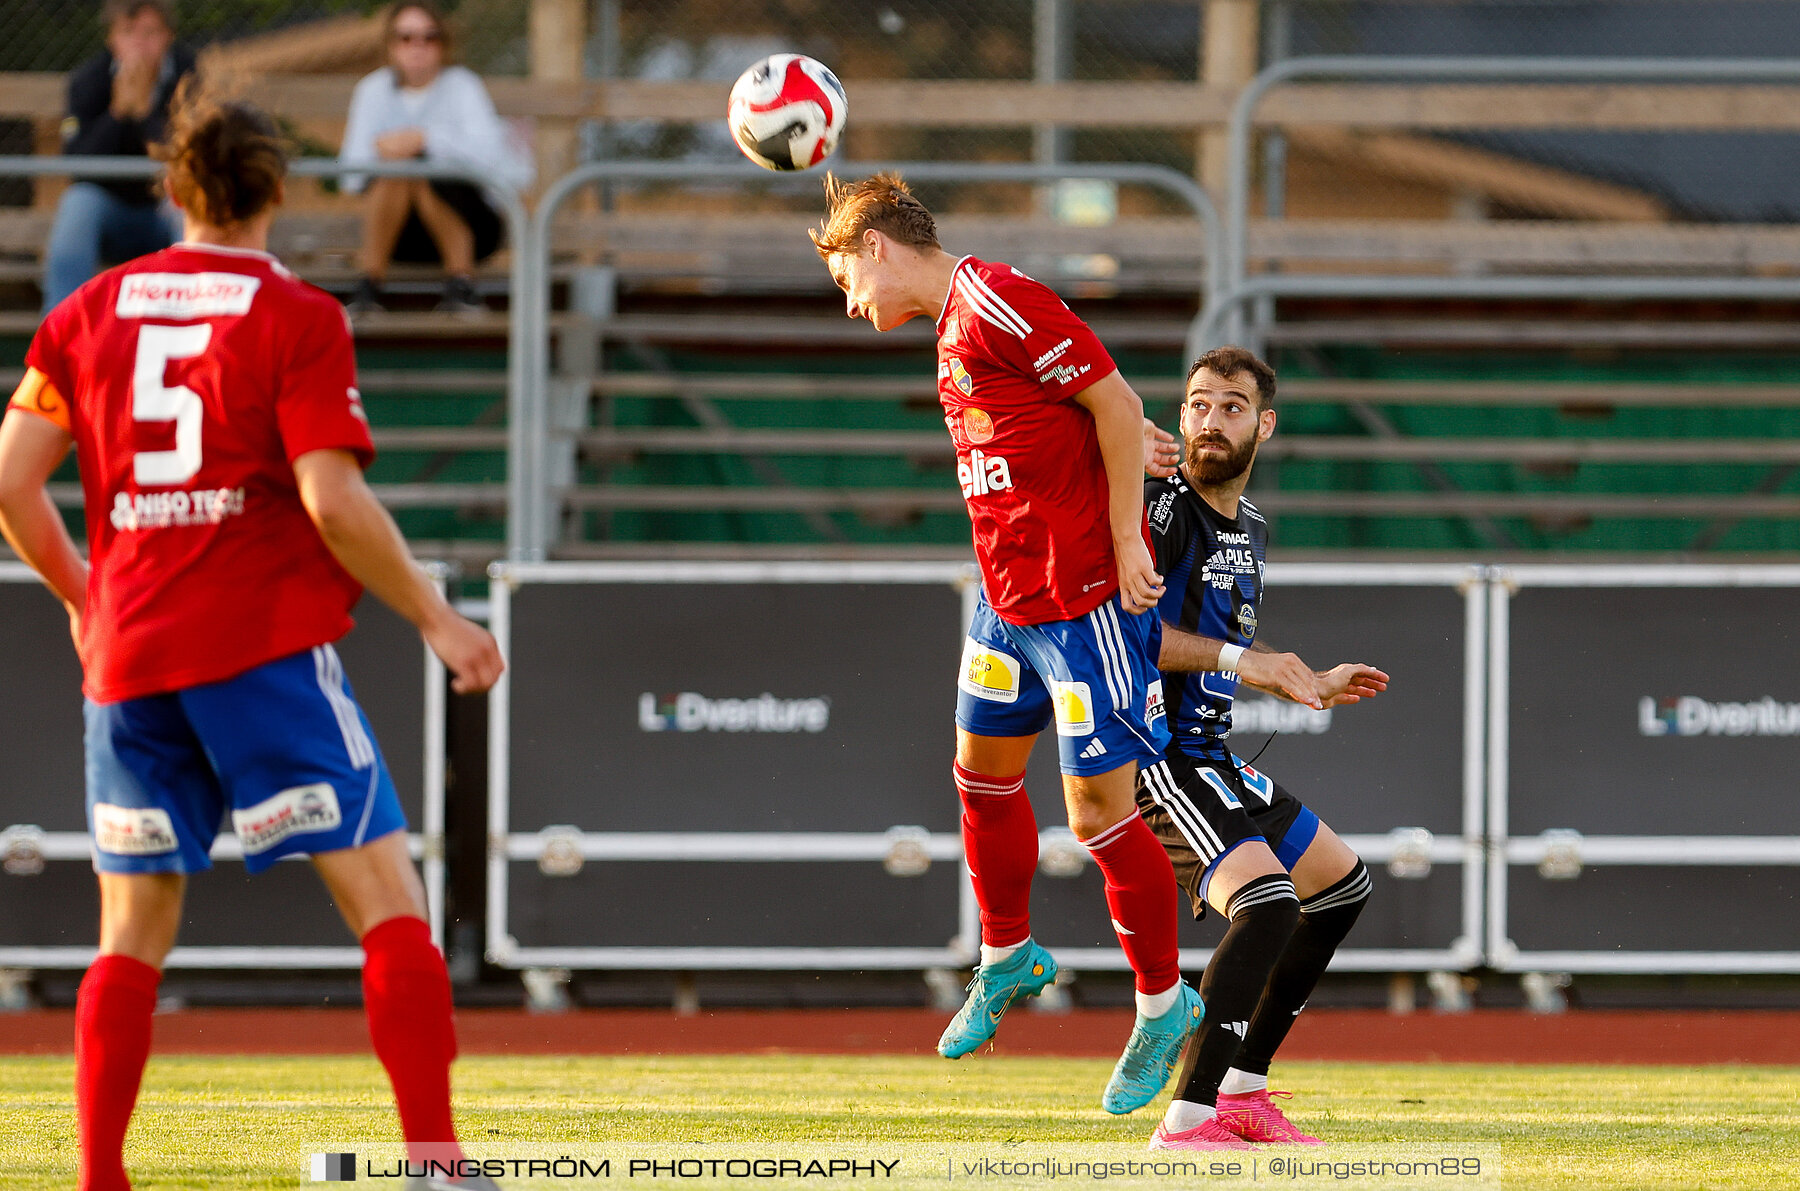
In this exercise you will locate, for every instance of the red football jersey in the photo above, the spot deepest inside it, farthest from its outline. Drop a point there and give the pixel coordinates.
(194, 377)
(1011, 358)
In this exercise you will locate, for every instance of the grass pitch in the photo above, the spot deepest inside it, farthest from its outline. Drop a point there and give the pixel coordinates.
(208, 1122)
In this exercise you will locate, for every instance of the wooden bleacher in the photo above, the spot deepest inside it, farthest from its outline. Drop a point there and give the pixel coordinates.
(708, 443)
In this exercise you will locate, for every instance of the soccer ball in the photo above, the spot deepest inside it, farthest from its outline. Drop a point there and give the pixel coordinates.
(786, 112)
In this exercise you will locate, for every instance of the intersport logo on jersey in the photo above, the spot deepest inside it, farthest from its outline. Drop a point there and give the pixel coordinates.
(1690, 715)
(691, 711)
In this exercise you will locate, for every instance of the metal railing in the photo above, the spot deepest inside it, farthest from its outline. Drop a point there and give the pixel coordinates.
(536, 523)
(520, 343)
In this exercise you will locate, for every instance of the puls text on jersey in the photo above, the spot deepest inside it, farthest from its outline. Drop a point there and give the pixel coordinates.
(1224, 567)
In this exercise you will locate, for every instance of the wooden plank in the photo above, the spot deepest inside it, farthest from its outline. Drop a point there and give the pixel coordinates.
(1652, 507)
(1584, 247)
(1526, 185)
(1616, 106)
(1578, 394)
(935, 444)
(1529, 332)
(1322, 390)
(919, 386)
(438, 438)
(1330, 504)
(1532, 450)
(704, 498)
(42, 94)
(1017, 104)
(728, 441)
(839, 331)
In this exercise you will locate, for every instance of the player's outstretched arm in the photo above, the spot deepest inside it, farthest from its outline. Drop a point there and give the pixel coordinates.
(1351, 682)
(1119, 427)
(1280, 674)
(363, 538)
(31, 448)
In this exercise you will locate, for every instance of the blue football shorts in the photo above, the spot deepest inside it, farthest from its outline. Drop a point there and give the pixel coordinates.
(1095, 677)
(283, 747)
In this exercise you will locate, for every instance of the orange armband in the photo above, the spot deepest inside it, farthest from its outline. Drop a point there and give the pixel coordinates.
(37, 395)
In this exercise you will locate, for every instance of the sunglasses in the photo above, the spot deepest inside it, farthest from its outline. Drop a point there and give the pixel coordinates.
(429, 38)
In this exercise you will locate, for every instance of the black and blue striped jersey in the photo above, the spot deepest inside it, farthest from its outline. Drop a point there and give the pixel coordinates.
(1212, 568)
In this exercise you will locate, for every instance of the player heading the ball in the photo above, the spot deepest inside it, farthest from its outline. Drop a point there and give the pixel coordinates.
(1050, 455)
(212, 396)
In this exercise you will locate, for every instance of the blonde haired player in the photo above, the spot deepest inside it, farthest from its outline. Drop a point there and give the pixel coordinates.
(1050, 455)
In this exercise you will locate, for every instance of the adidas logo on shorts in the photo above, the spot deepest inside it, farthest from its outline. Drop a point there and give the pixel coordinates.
(1094, 749)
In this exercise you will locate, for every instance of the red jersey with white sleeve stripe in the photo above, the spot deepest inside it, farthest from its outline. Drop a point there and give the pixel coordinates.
(1011, 358)
(193, 378)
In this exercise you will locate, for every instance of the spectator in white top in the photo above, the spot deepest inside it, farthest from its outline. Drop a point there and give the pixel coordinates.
(420, 106)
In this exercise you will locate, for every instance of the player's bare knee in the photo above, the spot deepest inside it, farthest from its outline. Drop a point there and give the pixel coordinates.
(1099, 801)
(1326, 863)
(993, 756)
(140, 914)
(374, 882)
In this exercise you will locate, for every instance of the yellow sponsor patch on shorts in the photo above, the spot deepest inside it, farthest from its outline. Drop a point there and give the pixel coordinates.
(988, 673)
(1074, 705)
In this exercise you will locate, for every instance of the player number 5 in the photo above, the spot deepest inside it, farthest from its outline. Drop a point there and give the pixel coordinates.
(154, 401)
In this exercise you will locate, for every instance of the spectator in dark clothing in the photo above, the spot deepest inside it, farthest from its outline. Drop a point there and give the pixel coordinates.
(118, 106)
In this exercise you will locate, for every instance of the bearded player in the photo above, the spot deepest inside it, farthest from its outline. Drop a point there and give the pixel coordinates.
(222, 443)
(1050, 454)
(1289, 888)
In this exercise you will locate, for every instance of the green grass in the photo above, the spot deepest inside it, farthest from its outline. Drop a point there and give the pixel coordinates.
(244, 1123)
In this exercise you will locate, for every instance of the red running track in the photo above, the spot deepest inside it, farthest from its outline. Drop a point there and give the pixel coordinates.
(1486, 1036)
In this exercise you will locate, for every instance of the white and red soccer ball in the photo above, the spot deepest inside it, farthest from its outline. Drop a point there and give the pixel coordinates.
(786, 112)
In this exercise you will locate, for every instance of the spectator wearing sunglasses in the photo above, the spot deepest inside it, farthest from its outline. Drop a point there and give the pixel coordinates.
(420, 106)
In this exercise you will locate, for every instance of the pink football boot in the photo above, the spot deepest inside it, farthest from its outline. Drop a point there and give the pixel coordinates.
(1208, 1135)
(1254, 1117)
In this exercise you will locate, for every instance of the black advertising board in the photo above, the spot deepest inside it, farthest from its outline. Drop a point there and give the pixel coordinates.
(40, 738)
(1654, 711)
(635, 708)
(40, 734)
(733, 707)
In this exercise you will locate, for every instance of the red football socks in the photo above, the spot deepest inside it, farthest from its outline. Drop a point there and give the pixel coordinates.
(112, 1043)
(1140, 892)
(406, 993)
(1000, 842)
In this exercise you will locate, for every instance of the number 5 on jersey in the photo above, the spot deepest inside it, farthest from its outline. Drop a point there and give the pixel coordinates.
(154, 401)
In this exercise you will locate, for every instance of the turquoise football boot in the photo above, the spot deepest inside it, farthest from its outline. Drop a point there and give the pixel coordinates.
(994, 990)
(1152, 1052)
